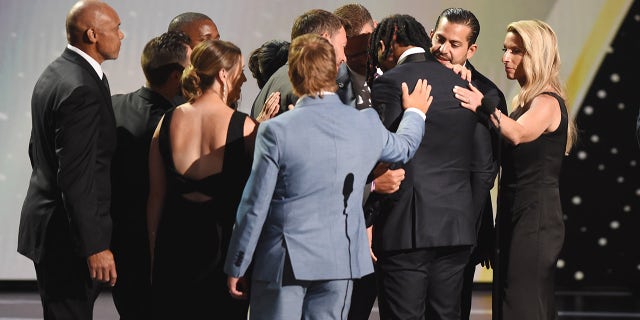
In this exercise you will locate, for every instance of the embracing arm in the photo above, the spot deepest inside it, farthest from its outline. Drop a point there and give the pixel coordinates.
(543, 115)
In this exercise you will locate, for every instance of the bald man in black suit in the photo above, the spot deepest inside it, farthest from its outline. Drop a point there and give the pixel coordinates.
(65, 224)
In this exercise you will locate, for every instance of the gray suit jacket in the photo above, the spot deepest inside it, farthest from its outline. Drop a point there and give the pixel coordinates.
(299, 200)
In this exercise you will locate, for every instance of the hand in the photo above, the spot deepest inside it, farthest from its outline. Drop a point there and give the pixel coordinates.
(469, 98)
(387, 181)
(459, 69)
(102, 267)
(271, 107)
(238, 287)
(420, 97)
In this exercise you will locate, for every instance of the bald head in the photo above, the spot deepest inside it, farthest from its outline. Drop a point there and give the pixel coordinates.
(197, 26)
(94, 27)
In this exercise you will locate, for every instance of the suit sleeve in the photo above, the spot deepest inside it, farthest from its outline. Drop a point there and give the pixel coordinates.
(255, 202)
(77, 139)
(485, 165)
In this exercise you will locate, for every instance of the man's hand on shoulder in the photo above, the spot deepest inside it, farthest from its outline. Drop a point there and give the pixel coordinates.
(420, 98)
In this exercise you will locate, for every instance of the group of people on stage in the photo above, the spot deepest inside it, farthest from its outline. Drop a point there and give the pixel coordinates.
(362, 172)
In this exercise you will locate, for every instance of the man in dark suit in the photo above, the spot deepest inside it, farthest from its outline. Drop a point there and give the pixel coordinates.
(453, 41)
(137, 115)
(65, 225)
(424, 232)
(317, 21)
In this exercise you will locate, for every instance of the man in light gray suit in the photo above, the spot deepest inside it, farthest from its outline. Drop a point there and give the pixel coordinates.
(299, 224)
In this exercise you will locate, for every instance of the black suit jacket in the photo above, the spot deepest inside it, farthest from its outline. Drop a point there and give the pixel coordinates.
(137, 114)
(73, 138)
(434, 206)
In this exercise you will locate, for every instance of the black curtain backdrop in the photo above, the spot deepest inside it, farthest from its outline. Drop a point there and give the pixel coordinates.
(600, 181)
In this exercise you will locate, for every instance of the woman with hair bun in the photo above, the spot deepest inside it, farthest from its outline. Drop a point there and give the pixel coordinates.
(200, 159)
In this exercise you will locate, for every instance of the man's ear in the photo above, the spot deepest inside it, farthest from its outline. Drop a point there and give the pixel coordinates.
(471, 50)
(90, 36)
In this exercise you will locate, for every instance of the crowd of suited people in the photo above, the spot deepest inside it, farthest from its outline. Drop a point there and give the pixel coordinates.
(362, 172)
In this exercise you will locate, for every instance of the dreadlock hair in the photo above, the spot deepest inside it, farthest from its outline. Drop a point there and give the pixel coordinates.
(402, 29)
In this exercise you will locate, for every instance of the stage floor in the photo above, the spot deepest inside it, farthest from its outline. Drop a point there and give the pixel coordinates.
(590, 305)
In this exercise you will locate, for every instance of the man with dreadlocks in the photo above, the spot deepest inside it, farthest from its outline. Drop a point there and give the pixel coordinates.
(423, 233)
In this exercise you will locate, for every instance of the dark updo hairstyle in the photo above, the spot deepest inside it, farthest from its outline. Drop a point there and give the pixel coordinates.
(207, 59)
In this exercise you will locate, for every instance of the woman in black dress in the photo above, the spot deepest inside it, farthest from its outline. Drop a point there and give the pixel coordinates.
(200, 159)
(537, 134)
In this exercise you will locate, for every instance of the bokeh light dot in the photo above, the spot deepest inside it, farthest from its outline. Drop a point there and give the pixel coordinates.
(615, 77)
(588, 110)
(577, 200)
(602, 242)
(560, 264)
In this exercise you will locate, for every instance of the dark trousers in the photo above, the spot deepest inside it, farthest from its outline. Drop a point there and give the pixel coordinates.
(467, 290)
(64, 283)
(363, 297)
(419, 282)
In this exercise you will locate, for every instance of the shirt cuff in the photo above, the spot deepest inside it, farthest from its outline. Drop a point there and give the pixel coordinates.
(418, 111)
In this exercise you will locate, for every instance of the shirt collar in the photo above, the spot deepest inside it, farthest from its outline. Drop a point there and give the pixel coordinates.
(96, 66)
(410, 51)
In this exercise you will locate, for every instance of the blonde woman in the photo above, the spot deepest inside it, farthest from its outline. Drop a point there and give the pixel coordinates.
(537, 134)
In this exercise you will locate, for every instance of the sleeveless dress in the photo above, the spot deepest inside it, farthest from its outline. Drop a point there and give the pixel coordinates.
(530, 222)
(193, 237)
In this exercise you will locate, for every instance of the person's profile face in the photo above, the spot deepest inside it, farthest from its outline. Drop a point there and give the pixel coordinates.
(339, 42)
(108, 34)
(449, 43)
(201, 30)
(235, 81)
(513, 56)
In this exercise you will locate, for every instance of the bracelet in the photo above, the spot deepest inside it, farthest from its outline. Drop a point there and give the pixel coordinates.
(373, 185)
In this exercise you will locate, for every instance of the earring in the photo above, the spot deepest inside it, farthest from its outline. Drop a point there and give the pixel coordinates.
(224, 93)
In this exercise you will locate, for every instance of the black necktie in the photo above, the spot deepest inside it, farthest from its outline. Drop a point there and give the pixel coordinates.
(105, 81)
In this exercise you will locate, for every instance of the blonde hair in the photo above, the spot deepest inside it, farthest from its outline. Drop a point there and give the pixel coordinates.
(207, 59)
(541, 65)
(312, 65)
